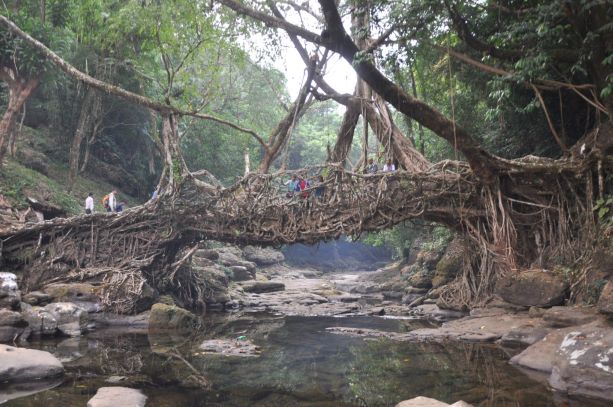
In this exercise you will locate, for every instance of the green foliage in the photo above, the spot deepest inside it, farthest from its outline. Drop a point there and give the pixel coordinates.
(602, 208)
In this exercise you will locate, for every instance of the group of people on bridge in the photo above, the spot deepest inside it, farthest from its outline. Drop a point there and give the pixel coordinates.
(373, 168)
(109, 202)
(301, 186)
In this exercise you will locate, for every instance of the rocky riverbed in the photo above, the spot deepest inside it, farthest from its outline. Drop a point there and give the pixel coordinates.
(569, 349)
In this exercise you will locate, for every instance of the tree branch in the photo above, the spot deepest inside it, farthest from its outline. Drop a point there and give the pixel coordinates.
(112, 89)
(335, 37)
(271, 21)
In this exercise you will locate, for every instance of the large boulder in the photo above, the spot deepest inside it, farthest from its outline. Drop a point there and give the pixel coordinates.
(583, 363)
(421, 279)
(605, 303)
(539, 356)
(240, 273)
(536, 288)
(18, 364)
(10, 297)
(117, 396)
(40, 321)
(263, 256)
(450, 265)
(165, 317)
(12, 325)
(71, 319)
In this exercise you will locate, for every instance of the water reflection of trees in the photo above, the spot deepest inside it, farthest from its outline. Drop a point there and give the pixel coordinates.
(383, 373)
(119, 357)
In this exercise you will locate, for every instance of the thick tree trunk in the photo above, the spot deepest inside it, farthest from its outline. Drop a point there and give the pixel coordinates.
(20, 90)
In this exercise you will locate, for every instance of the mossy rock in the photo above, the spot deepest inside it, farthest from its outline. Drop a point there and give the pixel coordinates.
(170, 317)
(166, 299)
(421, 279)
(71, 292)
(450, 265)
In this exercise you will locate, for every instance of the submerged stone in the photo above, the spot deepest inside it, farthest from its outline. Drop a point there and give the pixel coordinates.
(18, 364)
(117, 396)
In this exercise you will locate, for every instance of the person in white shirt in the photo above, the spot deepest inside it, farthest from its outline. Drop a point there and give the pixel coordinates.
(112, 202)
(89, 204)
(389, 166)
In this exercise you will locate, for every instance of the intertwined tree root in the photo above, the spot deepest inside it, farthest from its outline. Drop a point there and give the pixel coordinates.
(539, 213)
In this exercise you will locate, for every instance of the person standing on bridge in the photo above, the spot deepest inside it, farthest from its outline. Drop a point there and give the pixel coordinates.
(292, 185)
(89, 204)
(110, 201)
(389, 166)
(371, 168)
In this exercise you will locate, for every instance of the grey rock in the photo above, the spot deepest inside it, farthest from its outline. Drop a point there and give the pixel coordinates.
(10, 296)
(71, 319)
(117, 396)
(583, 363)
(37, 298)
(11, 318)
(40, 321)
(561, 317)
(263, 256)
(241, 273)
(532, 288)
(539, 356)
(12, 326)
(18, 364)
(264, 287)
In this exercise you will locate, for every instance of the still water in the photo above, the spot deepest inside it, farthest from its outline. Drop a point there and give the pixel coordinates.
(300, 365)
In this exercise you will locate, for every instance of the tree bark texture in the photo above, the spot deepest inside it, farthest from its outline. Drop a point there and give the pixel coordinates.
(20, 89)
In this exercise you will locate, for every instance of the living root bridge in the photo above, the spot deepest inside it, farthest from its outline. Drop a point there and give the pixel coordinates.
(539, 211)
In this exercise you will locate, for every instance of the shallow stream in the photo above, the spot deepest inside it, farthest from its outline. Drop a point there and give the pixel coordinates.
(300, 365)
